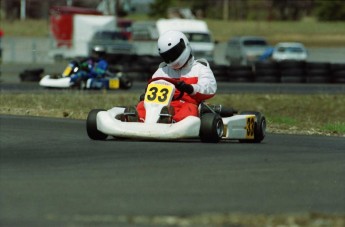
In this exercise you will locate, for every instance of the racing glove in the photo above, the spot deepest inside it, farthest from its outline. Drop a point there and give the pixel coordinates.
(182, 86)
(142, 97)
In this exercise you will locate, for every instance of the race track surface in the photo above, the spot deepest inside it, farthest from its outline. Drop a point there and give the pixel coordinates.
(52, 174)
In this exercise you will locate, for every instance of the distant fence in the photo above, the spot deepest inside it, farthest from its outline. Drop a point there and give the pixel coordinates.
(26, 50)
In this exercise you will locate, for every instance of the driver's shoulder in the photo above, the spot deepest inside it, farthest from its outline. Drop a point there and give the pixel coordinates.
(203, 62)
(162, 65)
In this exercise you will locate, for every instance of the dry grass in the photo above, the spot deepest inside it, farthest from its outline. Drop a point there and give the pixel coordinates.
(35, 28)
(310, 32)
(214, 220)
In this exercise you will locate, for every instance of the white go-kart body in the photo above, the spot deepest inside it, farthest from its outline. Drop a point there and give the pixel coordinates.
(51, 82)
(60, 81)
(209, 127)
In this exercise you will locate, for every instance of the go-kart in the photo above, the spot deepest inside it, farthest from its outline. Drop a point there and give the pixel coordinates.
(212, 125)
(71, 79)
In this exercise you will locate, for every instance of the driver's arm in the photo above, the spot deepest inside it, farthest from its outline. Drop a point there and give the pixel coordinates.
(207, 84)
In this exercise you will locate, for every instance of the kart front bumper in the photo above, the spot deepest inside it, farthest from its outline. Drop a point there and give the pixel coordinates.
(187, 128)
(47, 81)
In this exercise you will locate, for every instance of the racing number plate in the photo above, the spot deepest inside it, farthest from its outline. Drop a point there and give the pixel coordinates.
(158, 93)
(67, 71)
(250, 125)
(114, 83)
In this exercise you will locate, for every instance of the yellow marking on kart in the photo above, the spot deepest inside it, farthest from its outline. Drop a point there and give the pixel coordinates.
(250, 125)
(158, 93)
(67, 71)
(114, 83)
(225, 131)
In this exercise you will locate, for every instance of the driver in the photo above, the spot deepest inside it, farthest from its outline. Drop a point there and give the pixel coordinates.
(194, 77)
(95, 66)
(96, 63)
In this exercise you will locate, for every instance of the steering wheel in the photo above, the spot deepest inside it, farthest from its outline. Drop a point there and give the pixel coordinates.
(170, 80)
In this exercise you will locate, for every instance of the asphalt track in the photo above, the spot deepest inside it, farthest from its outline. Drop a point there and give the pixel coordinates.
(52, 174)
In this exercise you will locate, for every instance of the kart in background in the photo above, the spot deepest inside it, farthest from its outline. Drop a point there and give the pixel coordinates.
(71, 79)
(213, 125)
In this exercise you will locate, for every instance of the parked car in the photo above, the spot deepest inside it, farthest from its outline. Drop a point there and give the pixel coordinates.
(245, 50)
(146, 33)
(289, 51)
(114, 42)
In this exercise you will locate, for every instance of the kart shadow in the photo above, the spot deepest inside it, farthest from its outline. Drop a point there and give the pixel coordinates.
(116, 139)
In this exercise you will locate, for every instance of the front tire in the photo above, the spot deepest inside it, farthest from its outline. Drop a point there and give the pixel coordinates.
(211, 128)
(91, 126)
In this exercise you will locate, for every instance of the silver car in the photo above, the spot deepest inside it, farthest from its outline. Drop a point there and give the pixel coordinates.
(245, 50)
(114, 42)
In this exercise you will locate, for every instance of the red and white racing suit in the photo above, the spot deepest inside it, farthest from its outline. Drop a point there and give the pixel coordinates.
(199, 75)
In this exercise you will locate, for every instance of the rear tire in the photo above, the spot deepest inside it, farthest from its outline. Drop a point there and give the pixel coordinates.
(91, 126)
(126, 83)
(259, 127)
(211, 128)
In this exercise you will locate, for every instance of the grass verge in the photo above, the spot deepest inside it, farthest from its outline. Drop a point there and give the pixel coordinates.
(214, 220)
(294, 114)
(310, 32)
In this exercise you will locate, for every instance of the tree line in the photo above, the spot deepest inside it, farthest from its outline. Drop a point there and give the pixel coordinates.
(293, 10)
(284, 10)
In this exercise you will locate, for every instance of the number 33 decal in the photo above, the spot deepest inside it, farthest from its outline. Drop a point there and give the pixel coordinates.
(158, 93)
(250, 127)
(161, 95)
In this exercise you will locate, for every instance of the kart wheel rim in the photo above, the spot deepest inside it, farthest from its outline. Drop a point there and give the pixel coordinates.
(219, 128)
(263, 128)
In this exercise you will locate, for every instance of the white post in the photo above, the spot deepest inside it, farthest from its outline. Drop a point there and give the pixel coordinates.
(34, 51)
(225, 10)
(22, 9)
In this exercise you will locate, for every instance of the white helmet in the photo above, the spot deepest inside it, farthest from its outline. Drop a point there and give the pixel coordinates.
(174, 48)
(98, 51)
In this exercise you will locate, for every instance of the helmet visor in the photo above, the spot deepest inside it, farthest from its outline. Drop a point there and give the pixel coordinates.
(175, 52)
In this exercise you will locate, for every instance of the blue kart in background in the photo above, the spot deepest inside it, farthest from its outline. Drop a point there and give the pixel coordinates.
(77, 76)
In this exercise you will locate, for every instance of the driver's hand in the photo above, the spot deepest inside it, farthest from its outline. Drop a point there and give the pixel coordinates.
(182, 86)
(142, 97)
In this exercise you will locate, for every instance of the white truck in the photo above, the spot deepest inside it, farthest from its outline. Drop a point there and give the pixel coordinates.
(84, 27)
(145, 35)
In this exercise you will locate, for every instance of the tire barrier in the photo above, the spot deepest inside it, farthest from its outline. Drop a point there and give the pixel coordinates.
(240, 74)
(292, 72)
(31, 74)
(338, 73)
(138, 67)
(141, 67)
(318, 72)
(267, 72)
(220, 72)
